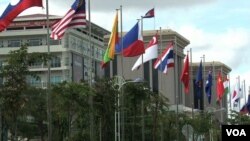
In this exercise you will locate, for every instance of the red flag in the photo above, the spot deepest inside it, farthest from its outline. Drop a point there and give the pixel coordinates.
(185, 75)
(150, 13)
(12, 11)
(220, 87)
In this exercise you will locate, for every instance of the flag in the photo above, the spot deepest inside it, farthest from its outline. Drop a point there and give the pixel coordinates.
(113, 40)
(246, 108)
(12, 11)
(208, 87)
(226, 86)
(151, 52)
(150, 13)
(166, 59)
(236, 93)
(220, 87)
(198, 81)
(132, 44)
(185, 75)
(74, 18)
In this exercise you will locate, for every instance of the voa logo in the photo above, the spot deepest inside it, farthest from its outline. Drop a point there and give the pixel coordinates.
(236, 132)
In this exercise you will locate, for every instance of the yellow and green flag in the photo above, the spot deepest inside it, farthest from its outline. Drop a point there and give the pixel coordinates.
(113, 40)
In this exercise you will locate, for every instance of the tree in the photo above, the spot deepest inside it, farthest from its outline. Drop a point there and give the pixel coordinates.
(104, 105)
(69, 110)
(14, 74)
(36, 111)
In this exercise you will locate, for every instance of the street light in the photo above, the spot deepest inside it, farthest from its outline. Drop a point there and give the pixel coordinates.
(213, 110)
(119, 82)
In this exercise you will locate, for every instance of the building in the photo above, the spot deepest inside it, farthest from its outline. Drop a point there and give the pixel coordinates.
(159, 82)
(169, 85)
(215, 67)
(72, 55)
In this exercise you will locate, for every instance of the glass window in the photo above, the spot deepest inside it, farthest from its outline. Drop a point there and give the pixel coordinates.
(36, 64)
(55, 62)
(1, 43)
(56, 79)
(35, 42)
(34, 82)
(14, 43)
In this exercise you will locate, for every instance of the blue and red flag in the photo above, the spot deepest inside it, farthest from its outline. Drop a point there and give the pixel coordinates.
(132, 44)
(246, 108)
(12, 11)
(166, 60)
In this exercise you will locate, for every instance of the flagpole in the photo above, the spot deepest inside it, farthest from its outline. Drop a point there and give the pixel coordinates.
(142, 39)
(192, 83)
(203, 84)
(244, 87)
(117, 113)
(176, 88)
(229, 93)
(221, 100)
(239, 92)
(161, 51)
(142, 102)
(121, 37)
(91, 115)
(49, 116)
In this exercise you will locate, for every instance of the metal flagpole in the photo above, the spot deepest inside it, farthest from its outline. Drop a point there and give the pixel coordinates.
(121, 128)
(91, 109)
(121, 37)
(203, 84)
(244, 90)
(239, 92)
(229, 93)
(221, 105)
(176, 88)
(142, 102)
(192, 83)
(116, 113)
(48, 78)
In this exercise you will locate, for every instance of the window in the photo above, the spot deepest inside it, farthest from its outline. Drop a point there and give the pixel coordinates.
(56, 79)
(14, 43)
(35, 42)
(55, 62)
(36, 64)
(1, 44)
(34, 82)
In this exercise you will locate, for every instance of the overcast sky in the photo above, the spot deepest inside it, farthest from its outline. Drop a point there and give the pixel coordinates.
(219, 29)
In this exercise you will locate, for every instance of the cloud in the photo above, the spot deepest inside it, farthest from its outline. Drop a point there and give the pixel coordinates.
(230, 47)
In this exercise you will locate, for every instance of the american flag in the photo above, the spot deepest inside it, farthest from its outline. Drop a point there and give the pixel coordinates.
(74, 18)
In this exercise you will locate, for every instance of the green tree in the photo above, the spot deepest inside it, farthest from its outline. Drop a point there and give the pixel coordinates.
(33, 123)
(104, 105)
(70, 111)
(14, 74)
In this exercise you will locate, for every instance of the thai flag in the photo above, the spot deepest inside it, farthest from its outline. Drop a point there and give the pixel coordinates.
(14, 9)
(132, 44)
(166, 60)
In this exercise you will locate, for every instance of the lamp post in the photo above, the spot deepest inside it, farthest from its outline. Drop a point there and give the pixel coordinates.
(213, 110)
(119, 82)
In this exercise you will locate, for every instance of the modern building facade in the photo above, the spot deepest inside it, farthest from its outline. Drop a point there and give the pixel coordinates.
(73, 56)
(169, 85)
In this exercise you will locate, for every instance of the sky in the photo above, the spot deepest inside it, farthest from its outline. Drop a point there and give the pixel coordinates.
(218, 29)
